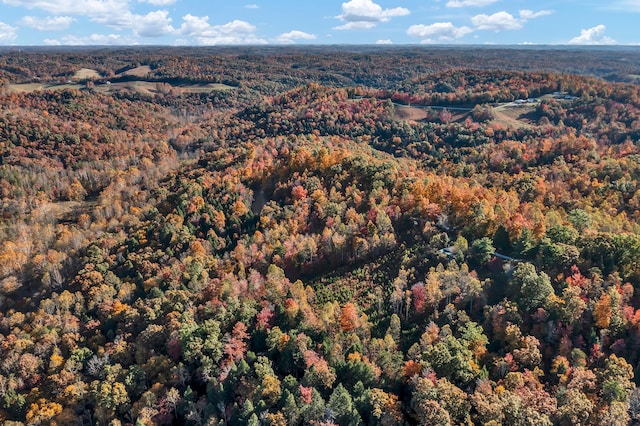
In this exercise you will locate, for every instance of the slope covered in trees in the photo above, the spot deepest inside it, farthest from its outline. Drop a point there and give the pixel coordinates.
(295, 252)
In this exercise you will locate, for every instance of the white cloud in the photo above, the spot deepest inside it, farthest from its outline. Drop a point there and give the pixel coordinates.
(93, 39)
(363, 25)
(92, 8)
(158, 2)
(625, 5)
(292, 36)
(113, 13)
(365, 14)
(194, 25)
(496, 22)
(203, 33)
(440, 31)
(502, 20)
(384, 41)
(367, 10)
(7, 33)
(472, 3)
(593, 36)
(153, 24)
(529, 14)
(56, 23)
(252, 6)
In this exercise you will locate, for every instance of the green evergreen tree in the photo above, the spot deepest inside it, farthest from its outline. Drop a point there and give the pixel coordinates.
(342, 408)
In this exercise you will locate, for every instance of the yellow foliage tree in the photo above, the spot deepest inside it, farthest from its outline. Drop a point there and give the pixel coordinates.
(271, 389)
(42, 412)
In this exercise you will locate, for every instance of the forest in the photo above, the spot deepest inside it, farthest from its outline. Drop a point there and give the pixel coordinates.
(319, 236)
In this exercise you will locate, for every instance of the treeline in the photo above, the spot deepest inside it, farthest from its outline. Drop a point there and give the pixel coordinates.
(377, 67)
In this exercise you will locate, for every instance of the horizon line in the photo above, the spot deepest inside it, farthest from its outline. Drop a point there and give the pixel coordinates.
(299, 45)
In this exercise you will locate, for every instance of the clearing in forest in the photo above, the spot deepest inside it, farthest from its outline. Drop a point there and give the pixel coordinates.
(409, 113)
(511, 118)
(150, 87)
(206, 88)
(86, 74)
(35, 87)
(515, 115)
(141, 71)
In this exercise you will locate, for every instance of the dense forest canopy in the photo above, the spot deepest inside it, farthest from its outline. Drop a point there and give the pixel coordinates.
(334, 235)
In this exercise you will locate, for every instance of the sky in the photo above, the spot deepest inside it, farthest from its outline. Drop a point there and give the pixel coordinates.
(258, 22)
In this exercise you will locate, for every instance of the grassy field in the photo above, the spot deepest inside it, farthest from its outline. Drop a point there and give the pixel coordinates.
(86, 74)
(409, 113)
(150, 87)
(35, 87)
(513, 116)
(138, 72)
(507, 115)
(144, 87)
(206, 88)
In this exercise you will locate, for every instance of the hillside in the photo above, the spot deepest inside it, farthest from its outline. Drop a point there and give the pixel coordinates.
(314, 244)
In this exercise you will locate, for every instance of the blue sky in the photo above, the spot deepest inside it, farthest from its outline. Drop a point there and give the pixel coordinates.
(214, 22)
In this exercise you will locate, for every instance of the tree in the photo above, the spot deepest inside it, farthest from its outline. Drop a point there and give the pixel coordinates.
(384, 407)
(616, 414)
(419, 297)
(43, 412)
(110, 396)
(487, 405)
(501, 239)
(462, 247)
(173, 398)
(532, 290)
(634, 405)
(290, 409)
(349, 318)
(315, 410)
(580, 219)
(602, 311)
(395, 328)
(445, 116)
(538, 403)
(571, 306)
(275, 419)
(516, 411)
(236, 346)
(430, 413)
(525, 242)
(246, 411)
(528, 354)
(575, 408)
(448, 399)
(473, 334)
(616, 379)
(342, 409)
(452, 360)
(271, 389)
(557, 256)
(483, 250)
(482, 113)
